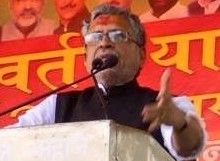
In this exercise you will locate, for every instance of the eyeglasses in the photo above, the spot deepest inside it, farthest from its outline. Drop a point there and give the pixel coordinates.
(115, 36)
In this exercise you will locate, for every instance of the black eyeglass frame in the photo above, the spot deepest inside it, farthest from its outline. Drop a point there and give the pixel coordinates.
(128, 37)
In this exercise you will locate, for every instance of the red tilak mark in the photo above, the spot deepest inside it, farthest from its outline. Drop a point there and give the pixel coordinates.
(103, 20)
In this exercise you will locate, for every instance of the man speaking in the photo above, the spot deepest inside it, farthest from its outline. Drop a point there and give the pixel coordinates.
(117, 32)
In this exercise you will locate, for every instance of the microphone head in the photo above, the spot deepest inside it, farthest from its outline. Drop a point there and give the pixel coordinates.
(97, 64)
(104, 62)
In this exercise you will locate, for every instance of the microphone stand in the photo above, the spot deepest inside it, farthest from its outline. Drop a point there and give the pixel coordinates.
(97, 65)
(100, 94)
(47, 94)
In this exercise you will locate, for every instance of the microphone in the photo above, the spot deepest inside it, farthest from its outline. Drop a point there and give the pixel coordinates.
(104, 62)
(99, 64)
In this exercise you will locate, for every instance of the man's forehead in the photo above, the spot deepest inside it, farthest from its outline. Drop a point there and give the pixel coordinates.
(107, 19)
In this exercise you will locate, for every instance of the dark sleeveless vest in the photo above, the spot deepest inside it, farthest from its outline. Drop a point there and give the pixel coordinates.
(124, 106)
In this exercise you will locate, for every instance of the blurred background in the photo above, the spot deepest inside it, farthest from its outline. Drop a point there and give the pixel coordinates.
(138, 7)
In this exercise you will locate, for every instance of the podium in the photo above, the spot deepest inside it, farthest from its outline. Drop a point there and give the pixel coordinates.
(80, 141)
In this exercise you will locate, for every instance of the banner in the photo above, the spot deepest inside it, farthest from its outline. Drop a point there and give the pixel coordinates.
(190, 46)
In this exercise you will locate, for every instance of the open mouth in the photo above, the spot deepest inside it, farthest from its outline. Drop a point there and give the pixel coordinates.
(27, 16)
(104, 62)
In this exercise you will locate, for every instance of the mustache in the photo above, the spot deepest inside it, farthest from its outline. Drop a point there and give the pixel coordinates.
(69, 5)
(28, 12)
(109, 50)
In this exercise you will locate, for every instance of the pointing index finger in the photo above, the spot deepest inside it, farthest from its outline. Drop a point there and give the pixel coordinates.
(164, 83)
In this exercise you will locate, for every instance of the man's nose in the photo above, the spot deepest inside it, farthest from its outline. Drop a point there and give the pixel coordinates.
(28, 4)
(105, 42)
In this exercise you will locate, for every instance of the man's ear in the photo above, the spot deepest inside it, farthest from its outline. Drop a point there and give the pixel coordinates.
(85, 57)
(85, 65)
(142, 56)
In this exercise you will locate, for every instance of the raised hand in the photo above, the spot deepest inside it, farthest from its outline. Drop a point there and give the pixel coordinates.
(163, 110)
